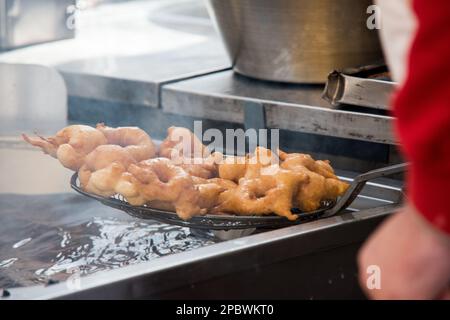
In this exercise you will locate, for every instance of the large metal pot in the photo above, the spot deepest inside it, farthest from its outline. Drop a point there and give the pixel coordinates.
(295, 40)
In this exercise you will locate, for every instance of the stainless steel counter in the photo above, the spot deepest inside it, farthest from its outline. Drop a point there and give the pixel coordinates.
(225, 95)
(164, 54)
(124, 52)
(138, 79)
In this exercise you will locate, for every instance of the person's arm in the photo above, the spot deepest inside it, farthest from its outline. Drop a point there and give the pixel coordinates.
(422, 108)
(413, 259)
(412, 248)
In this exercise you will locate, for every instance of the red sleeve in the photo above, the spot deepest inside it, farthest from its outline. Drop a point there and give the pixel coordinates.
(422, 108)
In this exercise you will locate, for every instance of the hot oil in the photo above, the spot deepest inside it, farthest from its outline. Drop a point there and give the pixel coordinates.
(38, 247)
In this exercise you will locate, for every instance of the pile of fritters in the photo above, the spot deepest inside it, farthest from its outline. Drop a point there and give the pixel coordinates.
(185, 177)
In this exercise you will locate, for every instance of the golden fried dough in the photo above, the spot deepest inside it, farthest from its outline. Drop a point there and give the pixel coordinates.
(158, 179)
(236, 167)
(134, 140)
(187, 151)
(70, 145)
(232, 168)
(182, 143)
(210, 190)
(103, 182)
(188, 179)
(102, 169)
(106, 154)
(270, 192)
(322, 185)
(321, 167)
(202, 168)
(162, 205)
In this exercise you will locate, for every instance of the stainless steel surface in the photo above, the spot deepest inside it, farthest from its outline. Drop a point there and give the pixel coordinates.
(252, 256)
(26, 22)
(222, 96)
(346, 89)
(33, 98)
(18, 166)
(123, 54)
(298, 41)
(138, 79)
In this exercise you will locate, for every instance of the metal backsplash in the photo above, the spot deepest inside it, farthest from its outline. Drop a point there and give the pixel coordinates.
(26, 22)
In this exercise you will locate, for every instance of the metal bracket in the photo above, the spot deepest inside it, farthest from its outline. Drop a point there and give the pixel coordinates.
(254, 115)
(255, 118)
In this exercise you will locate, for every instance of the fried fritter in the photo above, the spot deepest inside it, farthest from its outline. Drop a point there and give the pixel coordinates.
(272, 191)
(323, 184)
(133, 139)
(70, 145)
(210, 190)
(182, 143)
(159, 180)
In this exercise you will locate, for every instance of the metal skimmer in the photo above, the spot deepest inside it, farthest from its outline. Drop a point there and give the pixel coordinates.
(228, 222)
